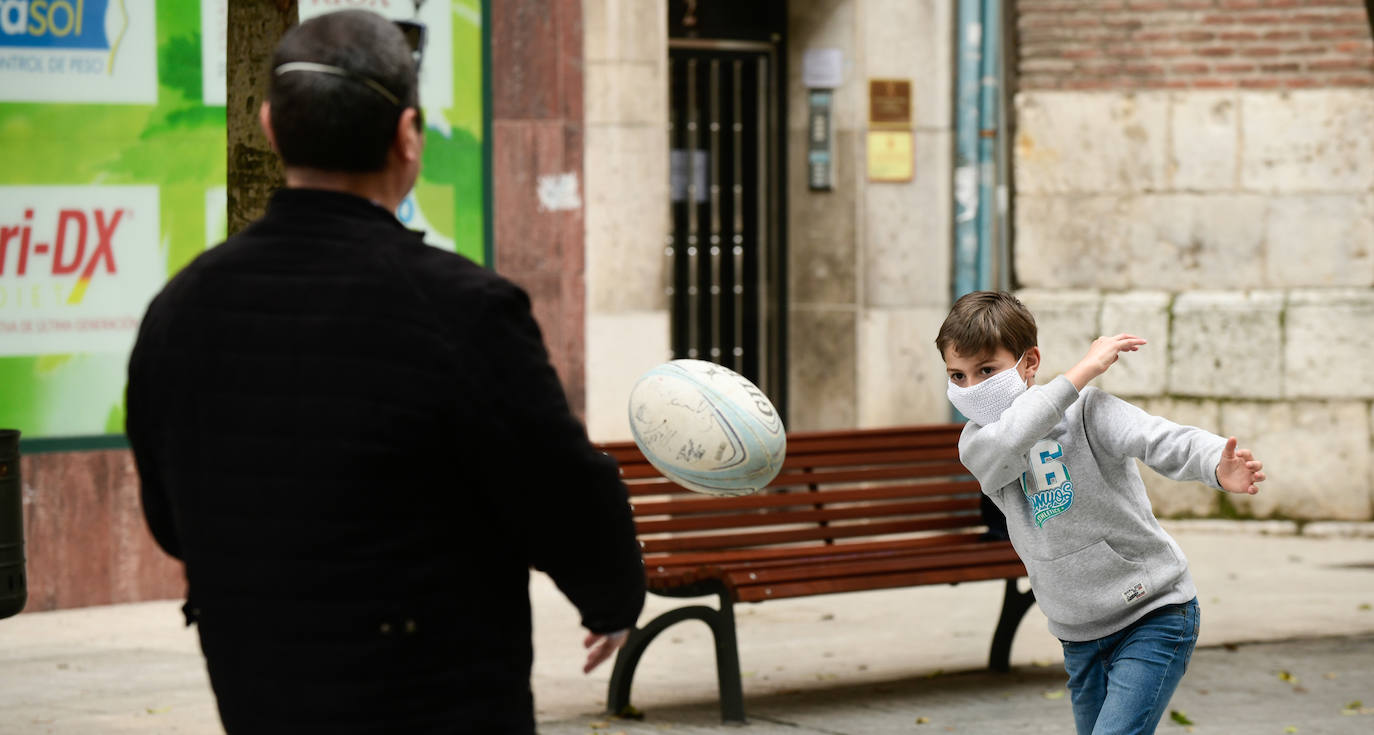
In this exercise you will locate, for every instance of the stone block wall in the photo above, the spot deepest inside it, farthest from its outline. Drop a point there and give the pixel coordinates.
(1286, 372)
(1201, 173)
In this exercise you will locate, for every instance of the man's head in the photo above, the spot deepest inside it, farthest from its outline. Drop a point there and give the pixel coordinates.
(985, 333)
(344, 96)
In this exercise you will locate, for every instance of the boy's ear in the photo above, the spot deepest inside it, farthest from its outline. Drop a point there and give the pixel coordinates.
(1031, 364)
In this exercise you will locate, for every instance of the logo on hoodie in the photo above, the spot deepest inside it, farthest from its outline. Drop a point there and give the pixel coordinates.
(1047, 485)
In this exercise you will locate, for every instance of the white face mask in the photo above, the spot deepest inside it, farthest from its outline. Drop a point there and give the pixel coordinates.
(985, 402)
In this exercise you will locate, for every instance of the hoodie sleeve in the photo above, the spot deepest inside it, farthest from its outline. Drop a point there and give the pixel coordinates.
(1178, 452)
(995, 453)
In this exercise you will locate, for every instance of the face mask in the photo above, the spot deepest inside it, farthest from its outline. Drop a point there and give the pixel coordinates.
(985, 402)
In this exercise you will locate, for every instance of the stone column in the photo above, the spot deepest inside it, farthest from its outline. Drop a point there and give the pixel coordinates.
(869, 263)
(627, 218)
(537, 138)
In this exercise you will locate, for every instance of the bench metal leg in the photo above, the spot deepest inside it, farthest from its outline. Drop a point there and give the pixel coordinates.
(722, 624)
(1014, 607)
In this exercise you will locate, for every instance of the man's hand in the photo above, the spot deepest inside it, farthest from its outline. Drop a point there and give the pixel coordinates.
(1101, 355)
(600, 647)
(1239, 471)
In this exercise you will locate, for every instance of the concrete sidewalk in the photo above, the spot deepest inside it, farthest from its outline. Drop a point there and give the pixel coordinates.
(859, 663)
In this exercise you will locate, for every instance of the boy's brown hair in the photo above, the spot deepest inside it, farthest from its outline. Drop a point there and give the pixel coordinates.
(982, 321)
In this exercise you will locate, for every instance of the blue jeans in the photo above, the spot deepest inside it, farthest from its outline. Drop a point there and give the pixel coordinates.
(1122, 683)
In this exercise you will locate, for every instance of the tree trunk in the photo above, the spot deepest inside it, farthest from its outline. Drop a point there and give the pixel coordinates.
(254, 173)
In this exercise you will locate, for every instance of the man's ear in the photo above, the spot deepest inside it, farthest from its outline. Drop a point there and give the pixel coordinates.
(1031, 364)
(265, 120)
(410, 140)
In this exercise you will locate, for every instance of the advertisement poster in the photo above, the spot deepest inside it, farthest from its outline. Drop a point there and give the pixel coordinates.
(113, 129)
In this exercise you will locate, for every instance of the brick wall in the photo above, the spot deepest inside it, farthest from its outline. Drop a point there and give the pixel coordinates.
(1193, 44)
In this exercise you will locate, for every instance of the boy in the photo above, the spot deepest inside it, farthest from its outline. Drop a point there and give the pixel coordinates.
(1058, 459)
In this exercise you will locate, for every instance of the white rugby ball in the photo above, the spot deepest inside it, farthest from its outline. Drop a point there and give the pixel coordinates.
(707, 428)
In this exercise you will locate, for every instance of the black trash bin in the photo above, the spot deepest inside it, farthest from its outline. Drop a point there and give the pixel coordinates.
(14, 590)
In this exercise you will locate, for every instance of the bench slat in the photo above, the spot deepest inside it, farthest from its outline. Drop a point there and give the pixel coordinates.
(749, 520)
(764, 538)
(669, 577)
(759, 593)
(704, 558)
(706, 504)
(844, 439)
(840, 557)
(803, 479)
(851, 568)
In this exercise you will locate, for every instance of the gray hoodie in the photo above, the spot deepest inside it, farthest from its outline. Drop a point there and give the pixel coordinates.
(1061, 466)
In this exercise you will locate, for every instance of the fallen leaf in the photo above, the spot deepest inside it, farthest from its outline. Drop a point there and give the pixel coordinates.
(1039, 663)
(935, 673)
(863, 667)
(1286, 676)
(159, 710)
(1365, 606)
(1230, 646)
(630, 712)
(922, 720)
(1179, 717)
(1054, 694)
(1291, 728)
(828, 616)
(1329, 675)
(596, 725)
(1354, 708)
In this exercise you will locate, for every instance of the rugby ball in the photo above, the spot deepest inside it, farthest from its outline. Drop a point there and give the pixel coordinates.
(707, 428)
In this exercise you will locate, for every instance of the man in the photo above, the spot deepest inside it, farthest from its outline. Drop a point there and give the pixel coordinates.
(356, 442)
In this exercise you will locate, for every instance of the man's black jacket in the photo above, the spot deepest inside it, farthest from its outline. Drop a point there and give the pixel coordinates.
(358, 446)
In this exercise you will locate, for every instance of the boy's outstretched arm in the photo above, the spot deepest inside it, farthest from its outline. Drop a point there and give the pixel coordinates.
(1101, 355)
(1239, 471)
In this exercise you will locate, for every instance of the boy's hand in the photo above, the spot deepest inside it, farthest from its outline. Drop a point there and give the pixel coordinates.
(1101, 355)
(1239, 471)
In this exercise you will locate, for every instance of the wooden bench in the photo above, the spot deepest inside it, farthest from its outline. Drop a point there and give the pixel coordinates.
(850, 511)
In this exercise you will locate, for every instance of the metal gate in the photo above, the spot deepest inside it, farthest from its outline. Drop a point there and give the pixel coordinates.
(724, 246)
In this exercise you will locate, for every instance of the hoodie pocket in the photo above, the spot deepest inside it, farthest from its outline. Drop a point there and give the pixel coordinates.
(1088, 585)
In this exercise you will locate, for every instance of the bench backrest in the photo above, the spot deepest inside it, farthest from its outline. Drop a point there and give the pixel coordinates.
(835, 487)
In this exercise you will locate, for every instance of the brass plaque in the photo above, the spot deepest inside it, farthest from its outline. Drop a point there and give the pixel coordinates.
(889, 101)
(890, 155)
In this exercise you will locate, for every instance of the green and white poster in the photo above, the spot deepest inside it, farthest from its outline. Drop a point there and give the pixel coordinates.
(112, 178)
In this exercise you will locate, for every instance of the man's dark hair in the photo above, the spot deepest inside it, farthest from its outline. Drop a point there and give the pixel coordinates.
(982, 321)
(337, 121)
